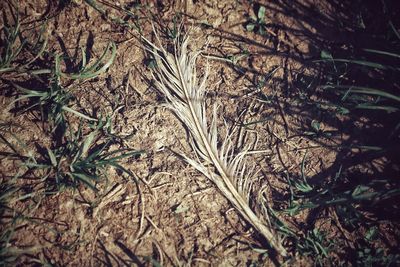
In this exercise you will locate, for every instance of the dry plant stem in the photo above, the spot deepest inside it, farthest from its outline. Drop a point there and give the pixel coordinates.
(175, 77)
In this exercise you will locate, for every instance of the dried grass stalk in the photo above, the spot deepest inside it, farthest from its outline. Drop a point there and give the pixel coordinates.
(175, 76)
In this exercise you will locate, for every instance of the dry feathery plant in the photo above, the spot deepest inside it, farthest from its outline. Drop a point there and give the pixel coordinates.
(175, 76)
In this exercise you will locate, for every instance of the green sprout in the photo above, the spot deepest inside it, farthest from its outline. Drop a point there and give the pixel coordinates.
(257, 24)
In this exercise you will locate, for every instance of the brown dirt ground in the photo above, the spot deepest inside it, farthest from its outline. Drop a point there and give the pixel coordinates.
(177, 216)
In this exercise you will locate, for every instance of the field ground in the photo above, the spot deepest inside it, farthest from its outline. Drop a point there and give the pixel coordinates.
(314, 157)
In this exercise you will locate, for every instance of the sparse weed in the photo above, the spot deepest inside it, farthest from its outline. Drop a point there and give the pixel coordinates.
(257, 24)
(89, 71)
(373, 257)
(314, 244)
(76, 157)
(14, 44)
(54, 100)
(10, 220)
(352, 194)
(126, 10)
(80, 160)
